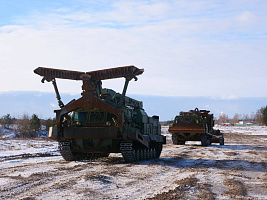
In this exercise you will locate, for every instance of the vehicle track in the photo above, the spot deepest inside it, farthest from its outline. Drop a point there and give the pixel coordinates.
(188, 171)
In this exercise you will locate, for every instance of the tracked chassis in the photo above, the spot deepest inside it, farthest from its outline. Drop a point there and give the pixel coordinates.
(103, 121)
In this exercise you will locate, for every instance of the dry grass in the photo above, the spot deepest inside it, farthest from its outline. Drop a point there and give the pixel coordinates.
(235, 188)
(230, 153)
(185, 186)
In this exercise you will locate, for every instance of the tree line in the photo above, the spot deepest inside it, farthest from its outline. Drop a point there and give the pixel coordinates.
(259, 118)
(30, 127)
(25, 126)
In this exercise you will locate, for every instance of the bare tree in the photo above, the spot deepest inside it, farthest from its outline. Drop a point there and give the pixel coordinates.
(235, 118)
(259, 116)
(246, 117)
(264, 115)
(252, 117)
(23, 126)
(223, 118)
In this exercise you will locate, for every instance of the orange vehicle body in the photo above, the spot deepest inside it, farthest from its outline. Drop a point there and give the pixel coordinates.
(195, 125)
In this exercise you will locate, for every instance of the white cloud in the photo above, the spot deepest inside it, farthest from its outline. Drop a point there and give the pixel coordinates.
(38, 95)
(53, 105)
(186, 49)
(247, 17)
(230, 97)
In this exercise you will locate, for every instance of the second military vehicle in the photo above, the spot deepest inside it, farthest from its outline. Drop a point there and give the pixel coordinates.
(103, 121)
(195, 125)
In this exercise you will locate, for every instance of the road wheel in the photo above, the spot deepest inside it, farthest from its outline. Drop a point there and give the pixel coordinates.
(205, 140)
(181, 142)
(153, 153)
(145, 153)
(65, 151)
(149, 152)
(158, 149)
(104, 154)
(174, 139)
(141, 151)
(222, 141)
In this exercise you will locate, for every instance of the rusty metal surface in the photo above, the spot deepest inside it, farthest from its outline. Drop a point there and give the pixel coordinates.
(127, 71)
(90, 98)
(89, 102)
(49, 73)
(185, 127)
(198, 112)
(194, 125)
(110, 132)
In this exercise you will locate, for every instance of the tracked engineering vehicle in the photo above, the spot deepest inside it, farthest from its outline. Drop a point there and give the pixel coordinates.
(195, 125)
(103, 121)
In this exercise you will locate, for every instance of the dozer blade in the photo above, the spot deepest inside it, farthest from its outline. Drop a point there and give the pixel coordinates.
(127, 71)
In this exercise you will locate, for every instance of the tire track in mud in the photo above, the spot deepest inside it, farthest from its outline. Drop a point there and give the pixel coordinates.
(26, 155)
(65, 177)
(187, 171)
(187, 188)
(236, 188)
(234, 171)
(37, 183)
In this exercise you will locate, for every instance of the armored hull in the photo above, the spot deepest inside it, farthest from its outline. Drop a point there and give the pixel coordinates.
(103, 121)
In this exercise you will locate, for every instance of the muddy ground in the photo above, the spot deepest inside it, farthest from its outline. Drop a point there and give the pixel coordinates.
(237, 170)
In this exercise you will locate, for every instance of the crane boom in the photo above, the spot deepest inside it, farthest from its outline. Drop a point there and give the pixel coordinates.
(127, 71)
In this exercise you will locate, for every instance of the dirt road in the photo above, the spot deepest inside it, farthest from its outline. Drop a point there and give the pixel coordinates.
(236, 170)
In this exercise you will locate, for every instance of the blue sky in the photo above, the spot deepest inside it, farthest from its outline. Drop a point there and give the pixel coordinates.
(44, 103)
(199, 48)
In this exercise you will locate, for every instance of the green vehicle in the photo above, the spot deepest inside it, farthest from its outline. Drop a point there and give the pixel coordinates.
(195, 125)
(103, 121)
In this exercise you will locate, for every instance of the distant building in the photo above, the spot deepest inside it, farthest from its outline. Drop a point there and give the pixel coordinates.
(225, 124)
(245, 123)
